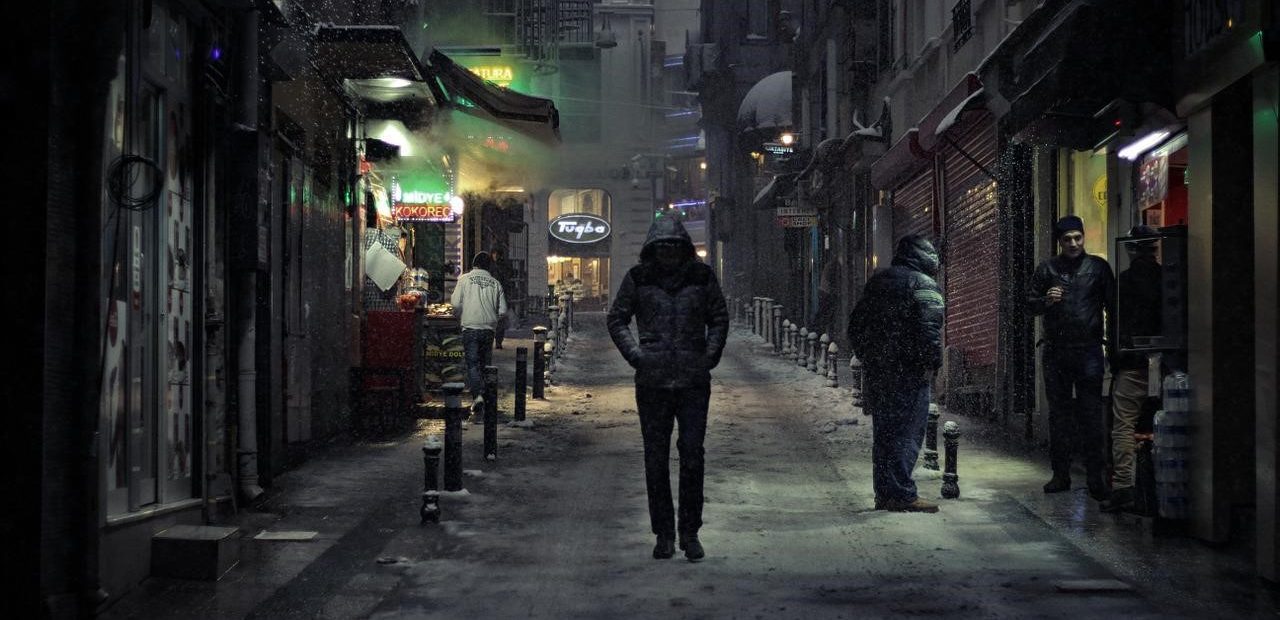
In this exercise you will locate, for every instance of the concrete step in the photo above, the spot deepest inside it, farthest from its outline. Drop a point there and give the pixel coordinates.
(202, 552)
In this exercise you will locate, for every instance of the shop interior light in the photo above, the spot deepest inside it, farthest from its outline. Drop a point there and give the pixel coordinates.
(702, 253)
(391, 82)
(702, 165)
(456, 205)
(1143, 144)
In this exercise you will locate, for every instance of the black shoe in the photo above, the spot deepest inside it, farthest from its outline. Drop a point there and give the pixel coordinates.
(1098, 488)
(1058, 484)
(1121, 499)
(692, 549)
(664, 549)
(497, 346)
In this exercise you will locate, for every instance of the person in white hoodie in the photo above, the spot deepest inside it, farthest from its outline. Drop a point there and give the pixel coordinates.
(478, 300)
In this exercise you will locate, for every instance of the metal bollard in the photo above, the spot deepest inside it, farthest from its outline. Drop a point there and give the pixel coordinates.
(453, 414)
(813, 351)
(431, 480)
(766, 309)
(802, 359)
(522, 365)
(777, 328)
(931, 438)
(539, 361)
(824, 341)
(786, 337)
(950, 480)
(491, 413)
(751, 321)
(833, 370)
(793, 335)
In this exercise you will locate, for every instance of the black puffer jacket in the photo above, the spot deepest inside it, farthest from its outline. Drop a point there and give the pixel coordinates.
(896, 327)
(680, 315)
(1076, 321)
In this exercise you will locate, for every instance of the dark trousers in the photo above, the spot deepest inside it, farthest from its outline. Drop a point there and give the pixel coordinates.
(477, 348)
(1073, 384)
(899, 407)
(659, 410)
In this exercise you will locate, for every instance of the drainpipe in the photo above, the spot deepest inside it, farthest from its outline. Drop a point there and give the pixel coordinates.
(247, 379)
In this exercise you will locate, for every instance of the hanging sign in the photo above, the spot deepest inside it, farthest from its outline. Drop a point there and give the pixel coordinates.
(579, 228)
(410, 212)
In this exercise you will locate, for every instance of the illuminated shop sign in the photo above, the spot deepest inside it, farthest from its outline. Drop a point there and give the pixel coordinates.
(501, 75)
(411, 212)
(579, 228)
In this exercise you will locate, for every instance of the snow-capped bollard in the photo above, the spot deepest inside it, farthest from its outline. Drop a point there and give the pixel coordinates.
(766, 319)
(539, 361)
(824, 341)
(833, 370)
(951, 481)
(931, 438)
(431, 480)
(751, 320)
(793, 335)
(813, 351)
(786, 337)
(453, 414)
(777, 328)
(802, 360)
(491, 413)
(522, 371)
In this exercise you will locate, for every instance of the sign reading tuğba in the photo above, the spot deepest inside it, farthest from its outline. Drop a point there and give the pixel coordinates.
(579, 228)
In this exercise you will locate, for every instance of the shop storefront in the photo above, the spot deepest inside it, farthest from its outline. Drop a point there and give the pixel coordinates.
(580, 244)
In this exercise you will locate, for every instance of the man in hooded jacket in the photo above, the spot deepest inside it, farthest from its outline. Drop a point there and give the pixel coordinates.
(896, 330)
(682, 323)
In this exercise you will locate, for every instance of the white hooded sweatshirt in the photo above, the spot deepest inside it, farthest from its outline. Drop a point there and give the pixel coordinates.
(478, 300)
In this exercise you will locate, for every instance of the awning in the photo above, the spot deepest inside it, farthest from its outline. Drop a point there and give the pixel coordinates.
(779, 185)
(375, 62)
(468, 92)
(768, 104)
(1069, 72)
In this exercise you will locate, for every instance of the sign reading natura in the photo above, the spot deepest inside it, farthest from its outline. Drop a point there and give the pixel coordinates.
(579, 228)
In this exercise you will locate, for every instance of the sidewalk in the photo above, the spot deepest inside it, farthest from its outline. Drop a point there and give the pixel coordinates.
(557, 527)
(998, 469)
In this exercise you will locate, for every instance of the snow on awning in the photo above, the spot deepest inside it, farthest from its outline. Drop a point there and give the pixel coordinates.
(768, 104)
(973, 102)
(779, 185)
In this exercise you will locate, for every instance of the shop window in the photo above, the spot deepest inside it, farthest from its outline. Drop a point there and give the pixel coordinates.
(593, 201)
(1162, 181)
(1082, 190)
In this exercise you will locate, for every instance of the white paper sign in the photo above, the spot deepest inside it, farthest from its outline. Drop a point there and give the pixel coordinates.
(382, 266)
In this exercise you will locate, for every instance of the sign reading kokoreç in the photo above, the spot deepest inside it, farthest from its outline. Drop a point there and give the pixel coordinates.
(579, 228)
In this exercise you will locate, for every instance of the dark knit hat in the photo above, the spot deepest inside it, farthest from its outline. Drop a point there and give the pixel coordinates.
(482, 261)
(1067, 224)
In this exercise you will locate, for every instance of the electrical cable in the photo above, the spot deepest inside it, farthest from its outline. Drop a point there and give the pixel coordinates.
(123, 174)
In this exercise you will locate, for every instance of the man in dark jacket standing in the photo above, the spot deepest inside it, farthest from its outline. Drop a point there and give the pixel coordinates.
(1072, 291)
(896, 330)
(682, 323)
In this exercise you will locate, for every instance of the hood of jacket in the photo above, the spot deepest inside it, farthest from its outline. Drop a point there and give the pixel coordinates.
(666, 229)
(915, 252)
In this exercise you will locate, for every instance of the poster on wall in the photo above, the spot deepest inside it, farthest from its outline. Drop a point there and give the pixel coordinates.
(442, 356)
(1153, 180)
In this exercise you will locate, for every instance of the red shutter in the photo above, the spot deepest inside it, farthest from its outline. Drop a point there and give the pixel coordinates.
(913, 206)
(972, 252)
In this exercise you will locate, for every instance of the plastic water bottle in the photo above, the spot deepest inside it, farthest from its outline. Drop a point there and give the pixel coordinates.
(1173, 448)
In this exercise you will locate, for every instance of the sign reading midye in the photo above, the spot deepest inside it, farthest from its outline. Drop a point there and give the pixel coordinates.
(579, 228)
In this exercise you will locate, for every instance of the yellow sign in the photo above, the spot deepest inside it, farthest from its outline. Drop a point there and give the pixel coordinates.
(498, 74)
(1100, 191)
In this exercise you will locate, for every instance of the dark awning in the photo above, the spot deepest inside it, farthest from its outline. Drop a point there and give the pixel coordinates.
(466, 91)
(375, 64)
(768, 104)
(1078, 64)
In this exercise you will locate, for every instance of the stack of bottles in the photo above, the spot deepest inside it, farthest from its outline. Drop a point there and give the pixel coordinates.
(1173, 447)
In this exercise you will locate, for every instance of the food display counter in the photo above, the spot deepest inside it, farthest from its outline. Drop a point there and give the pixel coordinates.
(441, 348)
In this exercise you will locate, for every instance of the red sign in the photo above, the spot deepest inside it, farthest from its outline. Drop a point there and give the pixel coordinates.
(424, 212)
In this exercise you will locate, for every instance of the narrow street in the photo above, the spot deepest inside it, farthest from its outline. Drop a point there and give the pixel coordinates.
(557, 528)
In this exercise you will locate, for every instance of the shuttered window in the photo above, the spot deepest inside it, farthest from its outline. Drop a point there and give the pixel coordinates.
(913, 206)
(971, 260)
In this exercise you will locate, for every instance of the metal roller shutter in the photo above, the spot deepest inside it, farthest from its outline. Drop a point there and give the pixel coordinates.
(913, 206)
(971, 261)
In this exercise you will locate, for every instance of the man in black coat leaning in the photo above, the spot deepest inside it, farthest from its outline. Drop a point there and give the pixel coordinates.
(1072, 291)
(896, 330)
(682, 323)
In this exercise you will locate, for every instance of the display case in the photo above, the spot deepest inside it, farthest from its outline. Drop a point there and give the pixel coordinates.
(1151, 299)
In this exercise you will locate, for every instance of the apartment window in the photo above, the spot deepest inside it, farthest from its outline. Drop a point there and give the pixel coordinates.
(758, 19)
(961, 24)
(884, 42)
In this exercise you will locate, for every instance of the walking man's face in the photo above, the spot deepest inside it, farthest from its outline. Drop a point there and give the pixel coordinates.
(668, 254)
(1071, 243)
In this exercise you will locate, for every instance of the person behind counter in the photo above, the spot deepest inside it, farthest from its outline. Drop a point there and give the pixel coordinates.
(375, 298)
(479, 302)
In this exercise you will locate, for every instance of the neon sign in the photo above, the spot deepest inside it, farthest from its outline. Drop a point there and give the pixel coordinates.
(501, 75)
(579, 228)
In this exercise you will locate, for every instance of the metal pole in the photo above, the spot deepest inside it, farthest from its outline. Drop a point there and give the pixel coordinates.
(453, 414)
(491, 413)
(950, 480)
(431, 480)
(931, 438)
(522, 363)
(539, 361)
